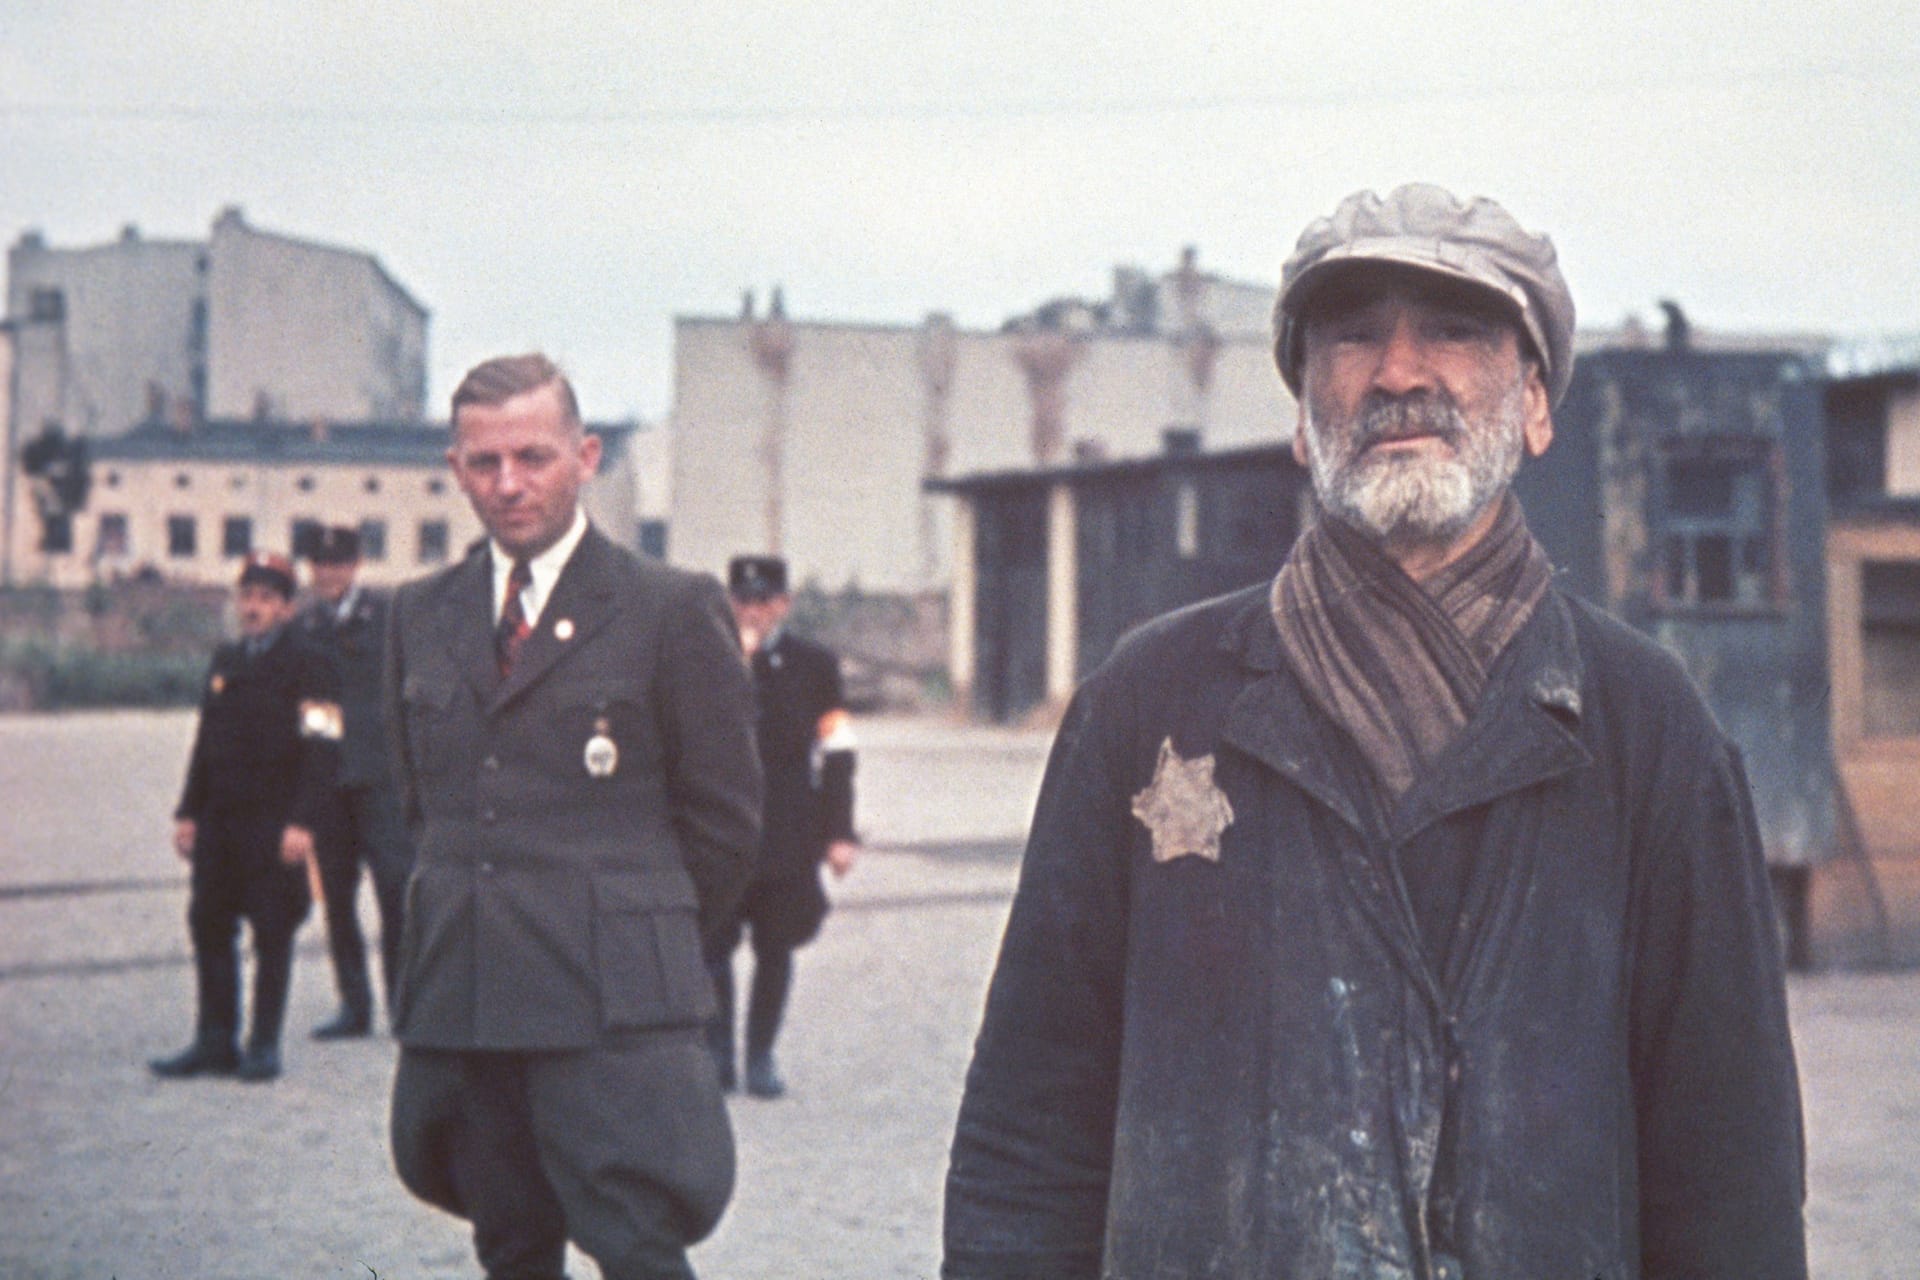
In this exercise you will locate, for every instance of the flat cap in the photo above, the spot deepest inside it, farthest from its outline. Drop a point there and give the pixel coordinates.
(756, 577)
(1427, 228)
(265, 569)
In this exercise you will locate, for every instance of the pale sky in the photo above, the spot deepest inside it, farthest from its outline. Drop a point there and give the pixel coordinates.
(571, 176)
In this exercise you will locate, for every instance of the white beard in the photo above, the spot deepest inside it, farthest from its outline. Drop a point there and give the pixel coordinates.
(1414, 499)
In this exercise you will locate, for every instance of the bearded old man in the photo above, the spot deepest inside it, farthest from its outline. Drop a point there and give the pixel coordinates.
(1405, 916)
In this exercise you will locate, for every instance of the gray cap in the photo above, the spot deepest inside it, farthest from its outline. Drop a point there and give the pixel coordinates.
(1426, 227)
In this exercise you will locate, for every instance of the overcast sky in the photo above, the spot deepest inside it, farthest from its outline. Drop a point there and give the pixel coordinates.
(571, 176)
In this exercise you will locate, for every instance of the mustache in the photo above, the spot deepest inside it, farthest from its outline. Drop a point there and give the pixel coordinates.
(1422, 413)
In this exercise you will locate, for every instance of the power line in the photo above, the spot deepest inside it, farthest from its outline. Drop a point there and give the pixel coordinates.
(1006, 109)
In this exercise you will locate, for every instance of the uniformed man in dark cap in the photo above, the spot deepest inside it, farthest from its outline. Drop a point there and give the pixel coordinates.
(360, 824)
(806, 748)
(263, 760)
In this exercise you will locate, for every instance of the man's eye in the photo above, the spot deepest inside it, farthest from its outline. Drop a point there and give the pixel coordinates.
(1461, 329)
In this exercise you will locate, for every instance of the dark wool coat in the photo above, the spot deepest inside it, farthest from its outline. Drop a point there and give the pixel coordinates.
(809, 788)
(254, 754)
(1255, 1066)
(549, 905)
(357, 646)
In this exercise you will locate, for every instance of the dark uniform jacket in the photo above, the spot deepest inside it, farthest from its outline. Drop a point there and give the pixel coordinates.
(266, 745)
(357, 645)
(1252, 1066)
(551, 903)
(806, 750)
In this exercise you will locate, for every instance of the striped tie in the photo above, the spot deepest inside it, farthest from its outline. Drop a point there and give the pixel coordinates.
(513, 629)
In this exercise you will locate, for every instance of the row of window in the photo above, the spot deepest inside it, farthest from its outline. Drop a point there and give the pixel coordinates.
(113, 539)
(435, 485)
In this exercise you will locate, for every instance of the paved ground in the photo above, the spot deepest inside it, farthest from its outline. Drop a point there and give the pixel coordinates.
(106, 1173)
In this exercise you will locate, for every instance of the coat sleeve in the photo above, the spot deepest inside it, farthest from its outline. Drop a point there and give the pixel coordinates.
(193, 792)
(393, 716)
(834, 744)
(1032, 1151)
(713, 775)
(1721, 1152)
(321, 729)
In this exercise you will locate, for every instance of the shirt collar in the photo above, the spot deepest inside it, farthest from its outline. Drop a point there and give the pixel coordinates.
(544, 567)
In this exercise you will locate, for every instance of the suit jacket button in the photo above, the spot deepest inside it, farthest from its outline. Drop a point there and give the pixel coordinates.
(491, 762)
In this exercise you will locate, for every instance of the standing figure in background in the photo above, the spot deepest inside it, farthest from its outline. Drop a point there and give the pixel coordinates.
(263, 761)
(806, 747)
(360, 824)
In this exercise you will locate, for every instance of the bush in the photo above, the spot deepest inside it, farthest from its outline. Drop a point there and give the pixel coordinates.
(67, 677)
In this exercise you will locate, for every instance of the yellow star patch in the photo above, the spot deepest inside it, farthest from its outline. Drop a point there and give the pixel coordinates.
(1182, 808)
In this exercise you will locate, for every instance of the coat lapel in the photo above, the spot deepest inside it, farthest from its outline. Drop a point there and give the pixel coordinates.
(584, 600)
(465, 620)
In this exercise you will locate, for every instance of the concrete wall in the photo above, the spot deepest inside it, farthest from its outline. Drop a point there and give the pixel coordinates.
(1903, 443)
(859, 406)
(312, 331)
(129, 310)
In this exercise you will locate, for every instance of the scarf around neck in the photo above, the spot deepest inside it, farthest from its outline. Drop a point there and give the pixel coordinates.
(1400, 665)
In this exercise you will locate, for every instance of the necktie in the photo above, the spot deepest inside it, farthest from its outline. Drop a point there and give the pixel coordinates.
(513, 629)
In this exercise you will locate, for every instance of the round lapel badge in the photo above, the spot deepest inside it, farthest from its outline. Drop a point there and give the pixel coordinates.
(563, 630)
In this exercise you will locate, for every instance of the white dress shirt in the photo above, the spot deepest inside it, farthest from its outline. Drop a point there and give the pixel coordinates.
(545, 568)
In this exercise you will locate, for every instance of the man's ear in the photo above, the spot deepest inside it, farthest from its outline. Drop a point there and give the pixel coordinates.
(1300, 436)
(1537, 424)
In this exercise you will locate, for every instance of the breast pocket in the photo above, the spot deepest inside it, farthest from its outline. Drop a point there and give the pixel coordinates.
(602, 731)
(429, 702)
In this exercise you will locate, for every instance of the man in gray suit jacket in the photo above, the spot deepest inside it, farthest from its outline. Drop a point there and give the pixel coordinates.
(573, 729)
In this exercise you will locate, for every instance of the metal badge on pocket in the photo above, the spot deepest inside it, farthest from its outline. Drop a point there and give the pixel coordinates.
(602, 755)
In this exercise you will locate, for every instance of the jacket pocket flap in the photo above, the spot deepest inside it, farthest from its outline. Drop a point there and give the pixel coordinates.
(644, 892)
(596, 693)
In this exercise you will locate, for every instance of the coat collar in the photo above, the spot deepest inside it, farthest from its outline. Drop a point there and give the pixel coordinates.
(583, 600)
(1525, 730)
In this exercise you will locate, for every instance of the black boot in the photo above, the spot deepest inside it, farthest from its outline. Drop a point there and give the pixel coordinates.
(345, 1025)
(259, 1064)
(208, 1055)
(763, 1077)
(766, 1004)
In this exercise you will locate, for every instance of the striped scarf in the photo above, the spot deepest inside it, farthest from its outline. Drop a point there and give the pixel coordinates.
(1401, 664)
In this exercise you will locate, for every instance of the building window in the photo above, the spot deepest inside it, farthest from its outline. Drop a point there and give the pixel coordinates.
(436, 486)
(236, 536)
(1186, 520)
(181, 480)
(182, 541)
(1717, 503)
(113, 479)
(304, 484)
(653, 538)
(303, 535)
(110, 537)
(238, 480)
(433, 541)
(46, 304)
(373, 539)
(1890, 648)
(56, 533)
(371, 484)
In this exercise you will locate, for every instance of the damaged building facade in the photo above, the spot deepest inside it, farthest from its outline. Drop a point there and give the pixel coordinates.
(1755, 510)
